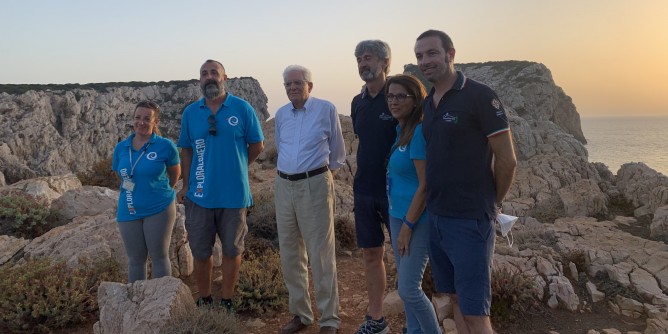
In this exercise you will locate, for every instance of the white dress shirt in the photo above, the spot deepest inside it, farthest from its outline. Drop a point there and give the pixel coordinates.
(309, 138)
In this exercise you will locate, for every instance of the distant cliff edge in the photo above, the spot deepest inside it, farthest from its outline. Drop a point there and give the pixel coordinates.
(57, 129)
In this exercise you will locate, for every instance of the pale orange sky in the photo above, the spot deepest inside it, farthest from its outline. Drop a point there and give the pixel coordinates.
(608, 55)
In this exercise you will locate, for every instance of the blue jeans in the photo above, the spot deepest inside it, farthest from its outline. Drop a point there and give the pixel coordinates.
(420, 314)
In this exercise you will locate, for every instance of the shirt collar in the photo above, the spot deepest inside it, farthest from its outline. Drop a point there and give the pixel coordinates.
(306, 106)
(459, 84)
(365, 93)
(151, 140)
(226, 103)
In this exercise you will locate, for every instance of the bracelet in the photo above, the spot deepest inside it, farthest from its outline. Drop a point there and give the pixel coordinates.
(410, 225)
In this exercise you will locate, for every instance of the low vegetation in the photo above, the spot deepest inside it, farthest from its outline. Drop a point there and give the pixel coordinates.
(24, 216)
(100, 175)
(203, 320)
(512, 296)
(261, 289)
(41, 295)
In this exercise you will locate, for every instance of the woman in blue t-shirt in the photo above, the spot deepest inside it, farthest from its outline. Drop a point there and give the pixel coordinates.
(407, 194)
(148, 166)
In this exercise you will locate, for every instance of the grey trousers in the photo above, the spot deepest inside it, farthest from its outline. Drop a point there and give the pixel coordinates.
(145, 237)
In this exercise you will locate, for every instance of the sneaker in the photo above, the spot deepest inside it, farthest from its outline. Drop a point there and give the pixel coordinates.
(226, 304)
(370, 326)
(204, 301)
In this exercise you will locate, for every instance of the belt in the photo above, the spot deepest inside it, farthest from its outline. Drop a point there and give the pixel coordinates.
(301, 176)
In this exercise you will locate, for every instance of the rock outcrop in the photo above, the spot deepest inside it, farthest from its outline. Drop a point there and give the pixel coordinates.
(54, 132)
(141, 307)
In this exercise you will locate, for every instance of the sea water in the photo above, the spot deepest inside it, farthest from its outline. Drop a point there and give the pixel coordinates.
(615, 141)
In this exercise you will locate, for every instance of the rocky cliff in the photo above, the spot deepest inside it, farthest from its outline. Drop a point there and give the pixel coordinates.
(50, 131)
(556, 192)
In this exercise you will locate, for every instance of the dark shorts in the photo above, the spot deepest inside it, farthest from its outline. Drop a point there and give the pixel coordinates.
(371, 213)
(203, 224)
(461, 252)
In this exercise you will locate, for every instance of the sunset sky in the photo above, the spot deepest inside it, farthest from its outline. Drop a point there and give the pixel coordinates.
(610, 56)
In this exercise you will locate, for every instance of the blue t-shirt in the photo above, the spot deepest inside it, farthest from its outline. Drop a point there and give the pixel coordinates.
(151, 193)
(219, 168)
(460, 180)
(375, 127)
(401, 173)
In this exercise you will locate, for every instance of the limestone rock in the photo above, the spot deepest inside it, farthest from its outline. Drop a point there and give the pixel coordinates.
(629, 307)
(611, 331)
(645, 284)
(141, 307)
(656, 326)
(86, 237)
(596, 295)
(85, 201)
(643, 186)
(449, 326)
(659, 226)
(442, 306)
(392, 304)
(561, 288)
(54, 132)
(583, 198)
(48, 188)
(9, 246)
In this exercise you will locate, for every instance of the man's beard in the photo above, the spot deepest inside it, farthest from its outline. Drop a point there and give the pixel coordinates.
(212, 89)
(368, 75)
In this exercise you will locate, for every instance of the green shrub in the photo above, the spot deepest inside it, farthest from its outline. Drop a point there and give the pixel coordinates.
(578, 257)
(261, 289)
(261, 220)
(512, 296)
(344, 231)
(24, 216)
(203, 320)
(100, 175)
(40, 295)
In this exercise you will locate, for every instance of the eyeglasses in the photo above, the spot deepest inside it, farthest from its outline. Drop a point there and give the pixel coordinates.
(296, 83)
(399, 97)
(212, 125)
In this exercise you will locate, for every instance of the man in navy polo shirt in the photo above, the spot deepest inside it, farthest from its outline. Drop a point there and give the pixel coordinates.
(220, 136)
(470, 167)
(376, 130)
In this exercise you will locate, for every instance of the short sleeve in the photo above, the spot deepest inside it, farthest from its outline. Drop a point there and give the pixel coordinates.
(491, 113)
(184, 136)
(418, 148)
(253, 129)
(115, 158)
(174, 158)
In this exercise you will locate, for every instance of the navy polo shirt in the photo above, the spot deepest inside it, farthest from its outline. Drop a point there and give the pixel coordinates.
(376, 129)
(460, 180)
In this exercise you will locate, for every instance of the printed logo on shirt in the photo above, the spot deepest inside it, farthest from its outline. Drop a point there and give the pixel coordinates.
(385, 117)
(496, 104)
(128, 194)
(450, 119)
(233, 120)
(152, 156)
(200, 147)
(402, 148)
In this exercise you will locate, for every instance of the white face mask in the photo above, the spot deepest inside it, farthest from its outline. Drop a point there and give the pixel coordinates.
(506, 223)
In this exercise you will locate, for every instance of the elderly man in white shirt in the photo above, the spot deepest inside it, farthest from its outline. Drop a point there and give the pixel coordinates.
(310, 145)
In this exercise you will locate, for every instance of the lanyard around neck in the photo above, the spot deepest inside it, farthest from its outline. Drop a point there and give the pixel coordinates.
(132, 169)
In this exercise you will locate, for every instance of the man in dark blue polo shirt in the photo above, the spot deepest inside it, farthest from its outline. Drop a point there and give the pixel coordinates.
(376, 130)
(470, 167)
